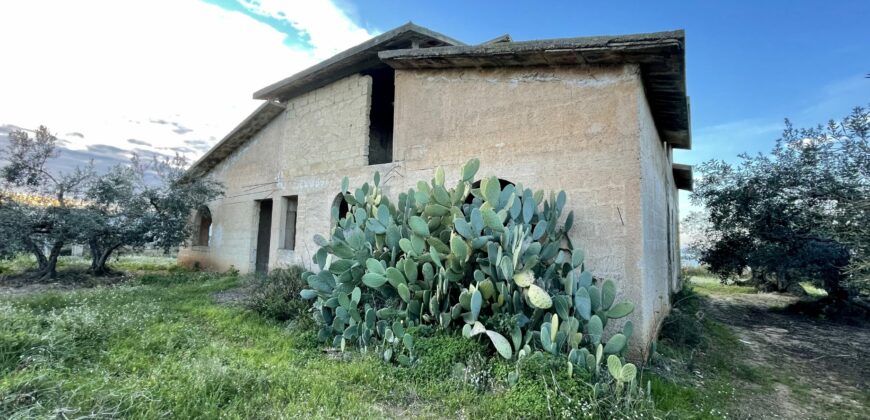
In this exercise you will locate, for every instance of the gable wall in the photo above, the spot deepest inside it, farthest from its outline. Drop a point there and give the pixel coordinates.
(323, 131)
(587, 131)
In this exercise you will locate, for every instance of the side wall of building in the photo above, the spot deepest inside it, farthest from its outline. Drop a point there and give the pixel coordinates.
(661, 260)
(572, 129)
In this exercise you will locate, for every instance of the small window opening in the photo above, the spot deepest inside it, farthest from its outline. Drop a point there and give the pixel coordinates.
(291, 203)
(381, 115)
(339, 207)
(203, 232)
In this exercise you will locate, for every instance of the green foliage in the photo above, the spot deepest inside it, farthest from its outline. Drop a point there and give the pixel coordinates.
(694, 270)
(123, 207)
(277, 296)
(692, 345)
(492, 261)
(684, 326)
(141, 351)
(439, 354)
(799, 213)
(542, 377)
(128, 211)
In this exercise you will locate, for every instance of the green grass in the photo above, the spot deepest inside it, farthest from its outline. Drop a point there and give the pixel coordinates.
(705, 387)
(711, 285)
(698, 366)
(161, 347)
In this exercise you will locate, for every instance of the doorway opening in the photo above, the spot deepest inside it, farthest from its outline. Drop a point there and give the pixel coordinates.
(203, 224)
(264, 236)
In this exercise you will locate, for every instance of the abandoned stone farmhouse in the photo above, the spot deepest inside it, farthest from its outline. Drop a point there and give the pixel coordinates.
(597, 117)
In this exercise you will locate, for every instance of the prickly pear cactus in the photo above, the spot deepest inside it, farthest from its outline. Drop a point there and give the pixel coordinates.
(460, 258)
(539, 298)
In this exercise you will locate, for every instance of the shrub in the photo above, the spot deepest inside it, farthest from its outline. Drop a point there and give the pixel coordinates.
(492, 261)
(277, 296)
(684, 325)
(696, 271)
(175, 277)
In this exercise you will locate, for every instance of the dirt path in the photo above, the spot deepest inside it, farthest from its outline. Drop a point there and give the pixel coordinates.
(819, 369)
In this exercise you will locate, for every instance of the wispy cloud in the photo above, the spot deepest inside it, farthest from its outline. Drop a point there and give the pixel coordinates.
(110, 67)
(727, 140)
(835, 99)
(177, 127)
(139, 142)
(103, 156)
(758, 135)
(327, 28)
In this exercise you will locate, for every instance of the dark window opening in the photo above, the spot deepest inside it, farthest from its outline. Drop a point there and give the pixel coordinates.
(476, 185)
(203, 226)
(339, 208)
(291, 203)
(381, 115)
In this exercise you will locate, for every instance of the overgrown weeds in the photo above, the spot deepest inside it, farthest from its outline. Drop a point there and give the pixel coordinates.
(684, 326)
(697, 366)
(277, 296)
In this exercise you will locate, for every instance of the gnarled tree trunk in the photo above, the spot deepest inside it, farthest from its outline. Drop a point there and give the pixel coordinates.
(100, 256)
(41, 260)
(50, 270)
(836, 290)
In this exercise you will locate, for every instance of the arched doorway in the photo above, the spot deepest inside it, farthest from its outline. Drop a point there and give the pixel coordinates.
(502, 183)
(341, 204)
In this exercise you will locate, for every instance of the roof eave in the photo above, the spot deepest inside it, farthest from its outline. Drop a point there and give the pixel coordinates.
(683, 177)
(248, 128)
(661, 56)
(350, 61)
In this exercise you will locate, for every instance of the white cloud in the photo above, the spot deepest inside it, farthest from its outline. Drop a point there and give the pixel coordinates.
(111, 70)
(328, 28)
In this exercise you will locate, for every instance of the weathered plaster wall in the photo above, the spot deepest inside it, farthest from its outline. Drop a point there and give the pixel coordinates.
(246, 178)
(572, 129)
(322, 134)
(660, 262)
(587, 131)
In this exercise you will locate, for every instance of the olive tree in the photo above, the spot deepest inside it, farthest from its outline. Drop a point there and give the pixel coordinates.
(798, 213)
(40, 209)
(132, 205)
(131, 211)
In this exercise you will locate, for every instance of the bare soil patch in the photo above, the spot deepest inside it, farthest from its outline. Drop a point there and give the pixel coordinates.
(235, 296)
(819, 368)
(26, 283)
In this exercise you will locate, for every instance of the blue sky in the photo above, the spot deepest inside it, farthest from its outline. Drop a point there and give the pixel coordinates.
(749, 64)
(167, 76)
